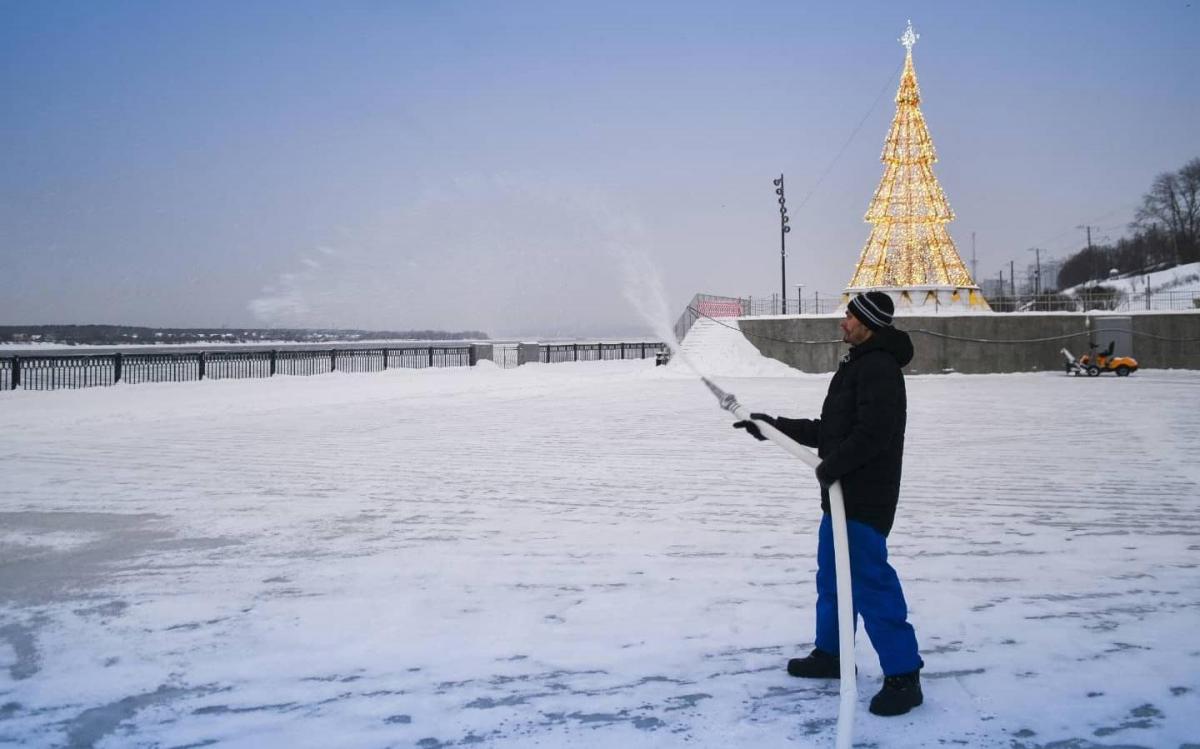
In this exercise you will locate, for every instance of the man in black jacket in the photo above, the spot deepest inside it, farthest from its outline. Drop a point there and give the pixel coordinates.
(860, 439)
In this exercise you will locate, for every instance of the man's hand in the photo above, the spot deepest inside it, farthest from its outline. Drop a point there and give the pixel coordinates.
(752, 428)
(823, 477)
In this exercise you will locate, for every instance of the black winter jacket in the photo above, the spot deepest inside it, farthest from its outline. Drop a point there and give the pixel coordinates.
(860, 435)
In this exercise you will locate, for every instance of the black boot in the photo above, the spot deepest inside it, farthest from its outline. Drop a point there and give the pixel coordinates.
(900, 694)
(818, 665)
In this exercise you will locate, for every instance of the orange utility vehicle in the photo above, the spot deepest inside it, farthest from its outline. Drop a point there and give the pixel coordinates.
(1092, 364)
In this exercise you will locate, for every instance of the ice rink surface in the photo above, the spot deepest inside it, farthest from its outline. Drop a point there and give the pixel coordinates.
(581, 555)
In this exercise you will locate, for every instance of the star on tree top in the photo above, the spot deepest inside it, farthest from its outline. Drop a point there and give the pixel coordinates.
(909, 38)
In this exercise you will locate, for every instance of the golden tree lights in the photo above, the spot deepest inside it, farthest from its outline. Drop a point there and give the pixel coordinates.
(909, 250)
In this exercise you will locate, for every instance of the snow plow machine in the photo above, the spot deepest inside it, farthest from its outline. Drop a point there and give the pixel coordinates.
(1092, 364)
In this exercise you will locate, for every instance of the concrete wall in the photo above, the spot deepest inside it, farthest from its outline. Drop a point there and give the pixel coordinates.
(794, 341)
(528, 353)
(1150, 350)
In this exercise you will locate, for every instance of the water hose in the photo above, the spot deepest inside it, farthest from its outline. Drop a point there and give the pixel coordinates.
(841, 558)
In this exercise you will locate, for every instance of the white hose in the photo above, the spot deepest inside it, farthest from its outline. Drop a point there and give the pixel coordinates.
(841, 559)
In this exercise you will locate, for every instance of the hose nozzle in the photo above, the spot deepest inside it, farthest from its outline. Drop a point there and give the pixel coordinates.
(728, 401)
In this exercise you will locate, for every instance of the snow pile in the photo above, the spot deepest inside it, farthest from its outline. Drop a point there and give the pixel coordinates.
(719, 349)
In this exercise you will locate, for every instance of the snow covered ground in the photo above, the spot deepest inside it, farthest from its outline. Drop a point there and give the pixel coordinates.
(581, 555)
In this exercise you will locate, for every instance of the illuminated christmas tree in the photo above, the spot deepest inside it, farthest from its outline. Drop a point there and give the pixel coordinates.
(910, 253)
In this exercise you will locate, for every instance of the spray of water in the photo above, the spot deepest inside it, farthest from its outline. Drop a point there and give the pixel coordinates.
(644, 291)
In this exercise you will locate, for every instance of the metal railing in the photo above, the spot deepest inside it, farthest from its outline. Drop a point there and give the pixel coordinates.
(817, 304)
(506, 355)
(1084, 301)
(707, 304)
(712, 305)
(56, 371)
(555, 353)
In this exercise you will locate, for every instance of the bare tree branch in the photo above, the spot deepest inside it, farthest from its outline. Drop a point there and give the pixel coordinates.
(1173, 207)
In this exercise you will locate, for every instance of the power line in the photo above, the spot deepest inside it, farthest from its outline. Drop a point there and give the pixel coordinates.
(1091, 222)
(846, 145)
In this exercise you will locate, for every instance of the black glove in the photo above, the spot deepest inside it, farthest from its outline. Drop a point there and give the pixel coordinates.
(752, 428)
(823, 477)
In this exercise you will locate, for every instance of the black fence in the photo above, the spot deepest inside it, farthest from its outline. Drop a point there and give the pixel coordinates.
(56, 371)
(1105, 301)
(506, 355)
(564, 352)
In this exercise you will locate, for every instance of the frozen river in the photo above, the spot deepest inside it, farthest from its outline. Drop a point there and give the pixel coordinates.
(581, 555)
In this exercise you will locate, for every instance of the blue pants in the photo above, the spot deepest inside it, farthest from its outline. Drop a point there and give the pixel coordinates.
(877, 598)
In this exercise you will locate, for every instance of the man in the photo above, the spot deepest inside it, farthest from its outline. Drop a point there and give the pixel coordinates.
(860, 439)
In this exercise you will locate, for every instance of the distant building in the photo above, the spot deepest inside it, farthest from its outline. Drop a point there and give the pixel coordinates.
(1027, 283)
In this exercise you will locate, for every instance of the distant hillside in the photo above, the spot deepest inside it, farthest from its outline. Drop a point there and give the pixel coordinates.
(116, 335)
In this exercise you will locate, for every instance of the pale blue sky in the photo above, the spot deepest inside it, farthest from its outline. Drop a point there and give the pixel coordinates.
(484, 165)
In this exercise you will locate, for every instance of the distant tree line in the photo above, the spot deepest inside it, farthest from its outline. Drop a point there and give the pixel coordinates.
(117, 335)
(1165, 233)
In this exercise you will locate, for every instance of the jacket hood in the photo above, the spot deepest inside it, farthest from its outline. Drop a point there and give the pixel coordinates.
(893, 341)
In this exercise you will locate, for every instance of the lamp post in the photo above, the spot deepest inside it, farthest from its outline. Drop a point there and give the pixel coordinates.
(783, 230)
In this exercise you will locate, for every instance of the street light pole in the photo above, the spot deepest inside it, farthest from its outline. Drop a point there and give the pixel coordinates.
(783, 230)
